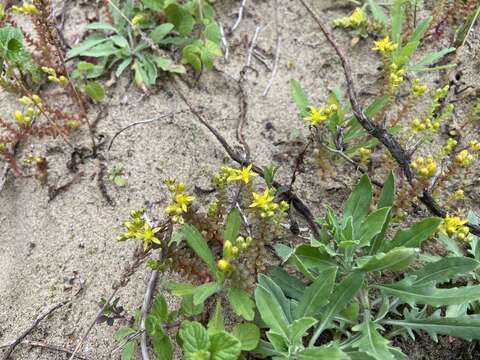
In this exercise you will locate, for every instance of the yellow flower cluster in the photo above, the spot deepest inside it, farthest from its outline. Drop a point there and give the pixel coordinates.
(321, 114)
(455, 227)
(52, 76)
(458, 195)
(464, 158)
(245, 174)
(427, 124)
(426, 167)
(385, 46)
(353, 21)
(451, 143)
(138, 228)
(418, 89)
(26, 9)
(395, 77)
(137, 19)
(180, 200)
(34, 159)
(365, 154)
(474, 145)
(264, 202)
(232, 251)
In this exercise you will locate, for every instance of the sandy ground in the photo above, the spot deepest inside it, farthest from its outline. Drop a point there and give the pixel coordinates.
(48, 248)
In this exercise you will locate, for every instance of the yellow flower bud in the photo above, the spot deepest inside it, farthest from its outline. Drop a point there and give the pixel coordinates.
(223, 265)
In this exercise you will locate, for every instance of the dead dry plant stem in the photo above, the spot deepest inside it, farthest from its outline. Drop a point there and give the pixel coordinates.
(92, 324)
(44, 345)
(31, 328)
(252, 45)
(377, 131)
(277, 51)
(291, 197)
(144, 312)
(239, 16)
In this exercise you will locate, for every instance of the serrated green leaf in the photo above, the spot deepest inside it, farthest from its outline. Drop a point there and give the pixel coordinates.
(248, 335)
(372, 343)
(317, 294)
(188, 308)
(430, 58)
(194, 337)
(444, 270)
(395, 260)
(159, 308)
(224, 346)
(241, 303)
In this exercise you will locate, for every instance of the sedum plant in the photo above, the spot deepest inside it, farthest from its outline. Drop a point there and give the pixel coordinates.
(136, 40)
(348, 303)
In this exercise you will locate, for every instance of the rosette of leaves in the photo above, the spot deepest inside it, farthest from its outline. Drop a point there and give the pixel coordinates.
(347, 293)
(142, 31)
(15, 60)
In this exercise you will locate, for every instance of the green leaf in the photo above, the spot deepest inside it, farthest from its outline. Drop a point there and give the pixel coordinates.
(101, 26)
(387, 196)
(216, 323)
(290, 285)
(342, 295)
(372, 343)
(395, 260)
(128, 351)
(444, 270)
(162, 347)
(123, 65)
(427, 294)
(194, 337)
(160, 32)
(212, 32)
(101, 50)
(420, 30)
(159, 308)
(248, 335)
(271, 311)
(180, 289)
(415, 235)
(232, 226)
(317, 294)
(298, 329)
(301, 99)
(224, 346)
(95, 91)
(204, 291)
(311, 260)
(373, 225)
(85, 45)
(123, 332)
(330, 352)
(465, 327)
(268, 284)
(358, 204)
(11, 43)
(180, 17)
(120, 41)
(430, 58)
(378, 13)
(155, 5)
(397, 20)
(191, 55)
(199, 245)
(85, 66)
(241, 303)
(188, 308)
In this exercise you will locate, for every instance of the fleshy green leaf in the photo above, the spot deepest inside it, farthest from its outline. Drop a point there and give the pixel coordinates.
(241, 303)
(232, 226)
(248, 335)
(199, 245)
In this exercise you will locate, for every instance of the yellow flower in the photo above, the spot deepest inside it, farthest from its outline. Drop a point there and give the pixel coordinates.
(459, 194)
(183, 201)
(241, 175)
(262, 201)
(385, 46)
(223, 265)
(455, 226)
(315, 116)
(147, 234)
(418, 89)
(464, 158)
(425, 167)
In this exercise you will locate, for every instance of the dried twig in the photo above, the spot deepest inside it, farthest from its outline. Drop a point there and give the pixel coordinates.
(12, 346)
(379, 132)
(277, 52)
(225, 43)
(140, 123)
(252, 45)
(239, 16)
(4, 176)
(144, 312)
(291, 197)
(44, 345)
